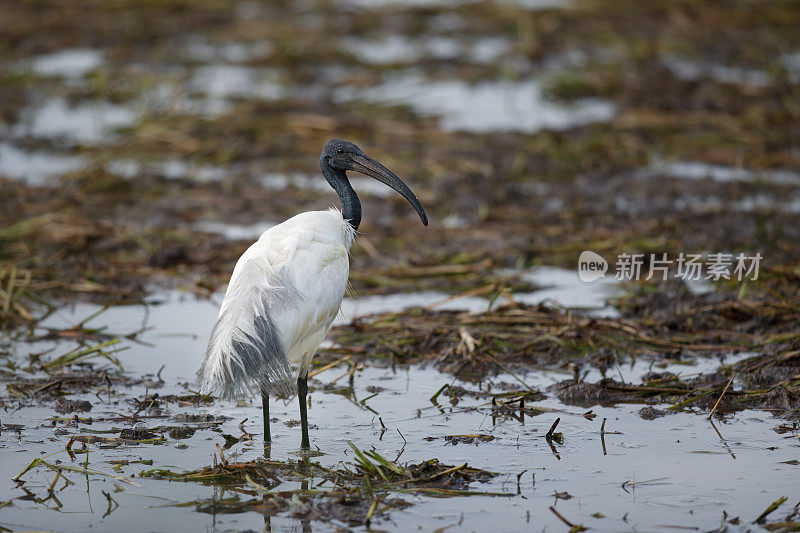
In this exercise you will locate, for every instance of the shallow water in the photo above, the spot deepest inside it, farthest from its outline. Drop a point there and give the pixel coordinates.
(167, 169)
(758, 202)
(181, 316)
(563, 287)
(199, 49)
(68, 63)
(279, 181)
(692, 70)
(700, 471)
(675, 471)
(792, 62)
(500, 105)
(235, 232)
(87, 122)
(224, 81)
(695, 170)
(402, 49)
(36, 167)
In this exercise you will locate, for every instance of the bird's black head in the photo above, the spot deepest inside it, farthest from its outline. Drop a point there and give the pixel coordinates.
(343, 155)
(338, 153)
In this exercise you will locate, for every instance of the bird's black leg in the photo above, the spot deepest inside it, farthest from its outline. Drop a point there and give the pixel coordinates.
(302, 390)
(265, 412)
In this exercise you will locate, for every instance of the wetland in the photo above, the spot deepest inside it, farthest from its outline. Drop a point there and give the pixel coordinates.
(472, 381)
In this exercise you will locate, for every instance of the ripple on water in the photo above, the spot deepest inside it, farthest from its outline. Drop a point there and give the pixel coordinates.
(678, 500)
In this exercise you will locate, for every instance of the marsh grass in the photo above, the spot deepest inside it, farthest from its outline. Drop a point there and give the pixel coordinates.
(547, 337)
(354, 492)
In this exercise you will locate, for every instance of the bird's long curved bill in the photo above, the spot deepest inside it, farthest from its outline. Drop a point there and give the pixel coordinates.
(368, 166)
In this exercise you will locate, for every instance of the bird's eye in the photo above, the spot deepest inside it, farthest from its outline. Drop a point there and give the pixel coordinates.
(340, 150)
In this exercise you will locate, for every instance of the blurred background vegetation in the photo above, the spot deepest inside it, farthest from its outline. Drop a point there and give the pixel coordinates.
(145, 143)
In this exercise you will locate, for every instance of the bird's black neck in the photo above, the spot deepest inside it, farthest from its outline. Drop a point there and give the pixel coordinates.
(351, 205)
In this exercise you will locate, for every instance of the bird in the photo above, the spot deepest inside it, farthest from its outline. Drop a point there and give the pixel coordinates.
(286, 290)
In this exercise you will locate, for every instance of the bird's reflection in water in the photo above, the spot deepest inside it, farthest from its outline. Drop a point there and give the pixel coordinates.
(305, 521)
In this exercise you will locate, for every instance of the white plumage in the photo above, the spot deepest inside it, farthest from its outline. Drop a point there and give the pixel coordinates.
(296, 275)
(286, 290)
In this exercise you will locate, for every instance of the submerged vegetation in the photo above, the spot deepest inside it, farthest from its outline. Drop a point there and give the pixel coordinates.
(354, 494)
(473, 346)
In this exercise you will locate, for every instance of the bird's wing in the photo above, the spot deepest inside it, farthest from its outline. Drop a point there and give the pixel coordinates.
(283, 295)
(245, 353)
(319, 272)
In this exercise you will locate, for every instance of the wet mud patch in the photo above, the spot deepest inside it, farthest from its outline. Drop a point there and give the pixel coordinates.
(63, 406)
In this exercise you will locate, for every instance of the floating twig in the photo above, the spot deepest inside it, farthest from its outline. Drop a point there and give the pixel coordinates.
(573, 527)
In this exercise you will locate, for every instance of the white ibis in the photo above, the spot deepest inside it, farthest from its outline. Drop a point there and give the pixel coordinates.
(286, 290)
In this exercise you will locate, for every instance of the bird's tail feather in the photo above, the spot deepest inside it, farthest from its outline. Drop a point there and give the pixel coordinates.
(245, 354)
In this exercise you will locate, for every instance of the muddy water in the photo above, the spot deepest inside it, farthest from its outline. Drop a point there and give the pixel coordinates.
(654, 475)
